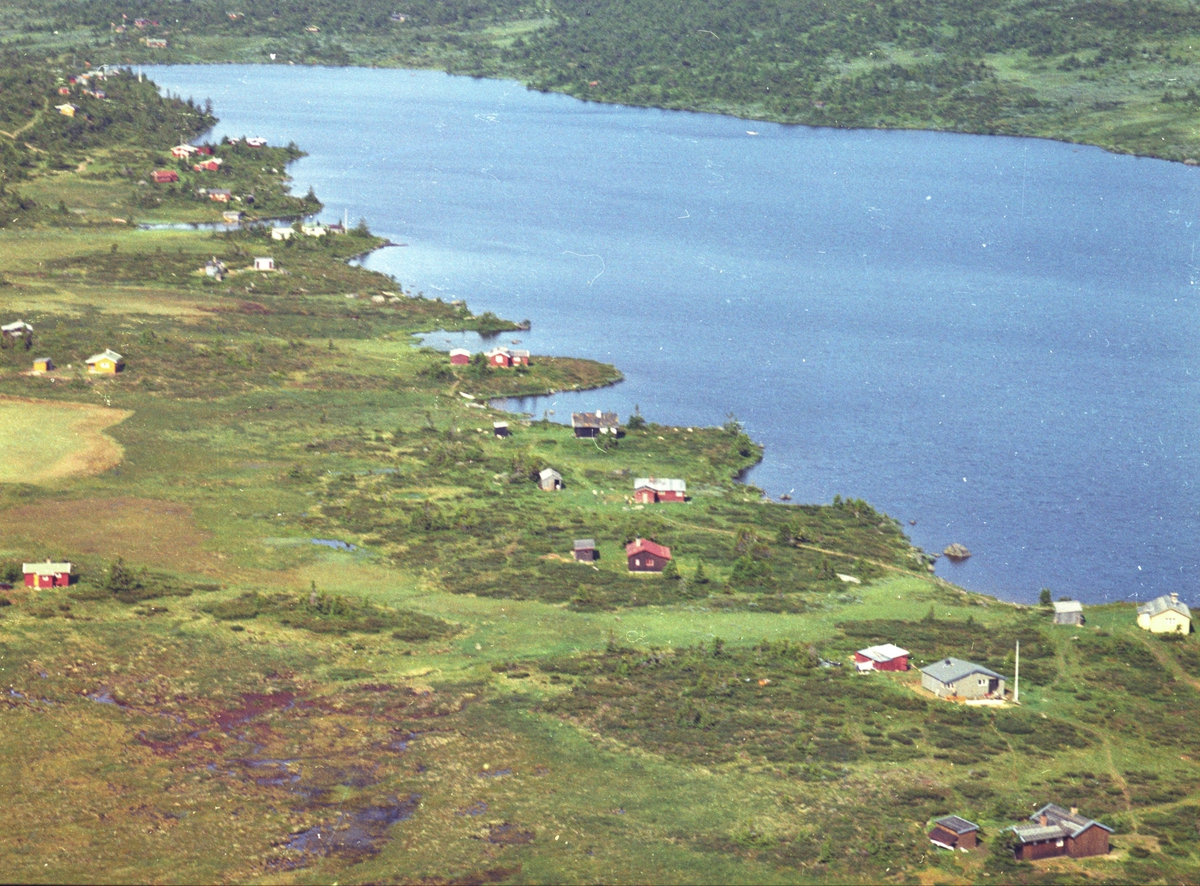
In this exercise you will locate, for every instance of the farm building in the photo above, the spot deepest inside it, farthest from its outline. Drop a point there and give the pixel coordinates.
(314, 230)
(500, 428)
(16, 329)
(107, 362)
(881, 658)
(585, 550)
(550, 480)
(164, 176)
(460, 357)
(953, 677)
(593, 424)
(1165, 615)
(1068, 612)
(220, 195)
(647, 490)
(953, 832)
(183, 151)
(264, 263)
(43, 364)
(1056, 831)
(646, 556)
(47, 575)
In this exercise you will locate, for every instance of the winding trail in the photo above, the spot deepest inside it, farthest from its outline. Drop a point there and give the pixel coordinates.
(26, 127)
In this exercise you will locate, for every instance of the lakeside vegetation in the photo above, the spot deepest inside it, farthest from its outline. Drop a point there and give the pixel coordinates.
(1124, 77)
(327, 627)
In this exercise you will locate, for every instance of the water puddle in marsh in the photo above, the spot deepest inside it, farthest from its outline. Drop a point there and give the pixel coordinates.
(356, 833)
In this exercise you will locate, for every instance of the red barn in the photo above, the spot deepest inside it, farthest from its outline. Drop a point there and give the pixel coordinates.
(47, 575)
(882, 658)
(162, 176)
(647, 490)
(646, 556)
(460, 357)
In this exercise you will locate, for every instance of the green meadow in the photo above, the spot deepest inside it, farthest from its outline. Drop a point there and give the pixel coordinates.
(327, 627)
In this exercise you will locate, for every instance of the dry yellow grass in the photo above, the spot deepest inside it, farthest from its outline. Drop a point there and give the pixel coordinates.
(42, 441)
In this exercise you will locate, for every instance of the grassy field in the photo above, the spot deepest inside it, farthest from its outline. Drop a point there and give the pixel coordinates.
(44, 441)
(327, 627)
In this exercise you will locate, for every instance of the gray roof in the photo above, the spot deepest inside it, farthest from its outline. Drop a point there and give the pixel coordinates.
(550, 474)
(883, 653)
(593, 419)
(659, 485)
(585, 544)
(951, 670)
(1162, 604)
(1068, 606)
(1059, 823)
(956, 824)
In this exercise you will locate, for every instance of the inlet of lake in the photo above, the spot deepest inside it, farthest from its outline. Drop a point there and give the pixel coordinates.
(996, 338)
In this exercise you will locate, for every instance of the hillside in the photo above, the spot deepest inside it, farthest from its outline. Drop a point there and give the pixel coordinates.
(327, 627)
(1121, 76)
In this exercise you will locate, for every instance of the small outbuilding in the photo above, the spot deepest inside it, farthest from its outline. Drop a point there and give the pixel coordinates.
(220, 195)
(43, 364)
(1054, 831)
(67, 109)
(213, 164)
(47, 575)
(232, 216)
(16, 329)
(107, 362)
(182, 151)
(646, 556)
(550, 480)
(585, 550)
(1165, 615)
(956, 678)
(887, 657)
(593, 424)
(282, 233)
(952, 832)
(164, 176)
(460, 357)
(264, 263)
(1068, 612)
(648, 490)
(500, 428)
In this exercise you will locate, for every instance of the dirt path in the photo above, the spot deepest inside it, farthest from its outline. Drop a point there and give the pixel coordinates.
(37, 115)
(1171, 666)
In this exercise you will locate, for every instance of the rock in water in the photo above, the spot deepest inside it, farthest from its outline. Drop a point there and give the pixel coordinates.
(957, 552)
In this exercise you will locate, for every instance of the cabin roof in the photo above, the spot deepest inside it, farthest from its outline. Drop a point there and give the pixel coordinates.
(595, 419)
(956, 824)
(642, 545)
(585, 544)
(1162, 604)
(660, 485)
(47, 568)
(885, 652)
(951, 670)
(1063, 606)
(106, 354)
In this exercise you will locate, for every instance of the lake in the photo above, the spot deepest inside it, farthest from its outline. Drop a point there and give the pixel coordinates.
(996, 338)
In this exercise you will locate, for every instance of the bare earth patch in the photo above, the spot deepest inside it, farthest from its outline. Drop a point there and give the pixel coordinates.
(142, 530)
(43, 441)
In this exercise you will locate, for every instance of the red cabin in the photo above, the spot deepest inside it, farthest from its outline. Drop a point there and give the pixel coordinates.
(163, 176)
(646, 556)
(647, 490)
(47, 575)
(460, 357)
(882, 658)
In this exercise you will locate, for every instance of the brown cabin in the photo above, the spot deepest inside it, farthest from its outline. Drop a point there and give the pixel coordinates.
(585, 550)
(1054, 831)
(646, 556)
(952, 832)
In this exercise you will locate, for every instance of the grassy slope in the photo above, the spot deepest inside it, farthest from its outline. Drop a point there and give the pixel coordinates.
(557, 727)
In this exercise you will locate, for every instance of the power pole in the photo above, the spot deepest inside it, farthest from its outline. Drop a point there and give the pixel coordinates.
(1017, 677)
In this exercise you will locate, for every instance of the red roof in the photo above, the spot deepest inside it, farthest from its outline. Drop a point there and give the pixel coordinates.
(642, 546)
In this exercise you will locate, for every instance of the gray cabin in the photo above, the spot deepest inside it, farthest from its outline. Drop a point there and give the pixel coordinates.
(964, 679)
(550, 480)
(1068, 612)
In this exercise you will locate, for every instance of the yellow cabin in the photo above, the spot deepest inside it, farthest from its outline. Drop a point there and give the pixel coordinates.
(1165, 615)
(43, 364)
(107, 362)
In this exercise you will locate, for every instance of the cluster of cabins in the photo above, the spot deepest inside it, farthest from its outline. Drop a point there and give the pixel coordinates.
(82, 82)
(1050, 832)
(500, 357)
(641, 554)
(107, 362)
(1166, 614)
(205, 161)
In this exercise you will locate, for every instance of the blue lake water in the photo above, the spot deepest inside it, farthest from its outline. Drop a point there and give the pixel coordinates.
(994, 337)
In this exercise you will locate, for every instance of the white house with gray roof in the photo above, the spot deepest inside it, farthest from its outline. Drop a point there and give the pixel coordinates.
(963, 679)
(1165, 615)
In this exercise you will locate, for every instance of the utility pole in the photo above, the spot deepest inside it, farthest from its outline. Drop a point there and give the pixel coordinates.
(1017, 677)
